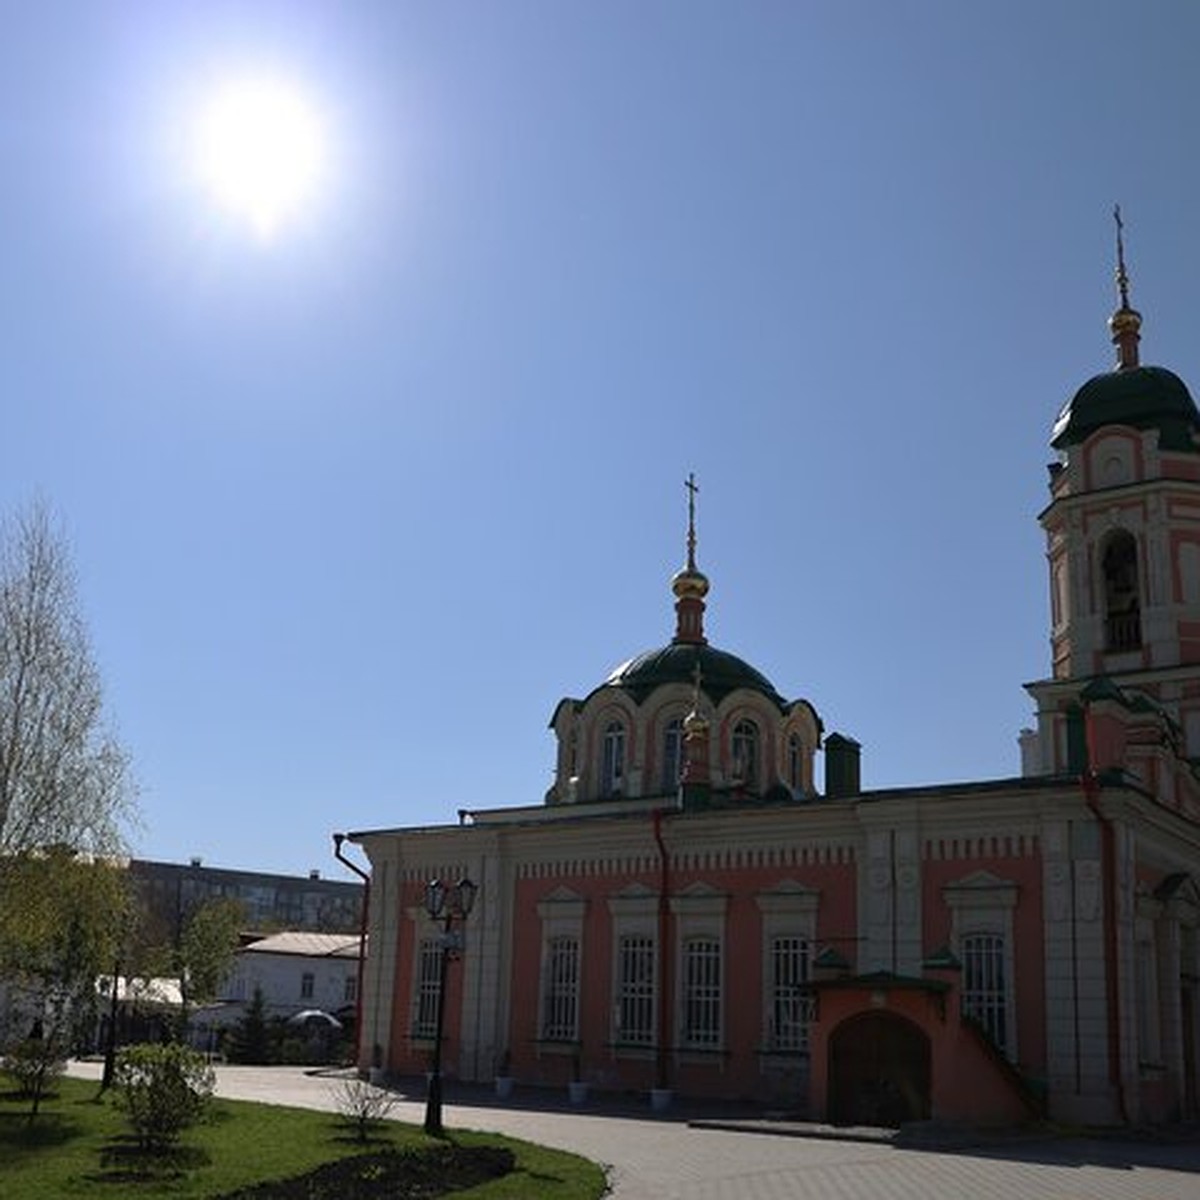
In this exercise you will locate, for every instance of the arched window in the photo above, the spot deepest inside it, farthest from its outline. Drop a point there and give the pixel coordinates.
(672, 754)
(795, 765)
(1122, 606)
(612, 763)
(745, 753)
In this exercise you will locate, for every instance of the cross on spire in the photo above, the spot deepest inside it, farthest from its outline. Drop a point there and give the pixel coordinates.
(1125, 323)
(1122, 275)
(692, 488)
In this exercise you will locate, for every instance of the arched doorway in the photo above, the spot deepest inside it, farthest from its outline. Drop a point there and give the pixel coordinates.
(878, 1071)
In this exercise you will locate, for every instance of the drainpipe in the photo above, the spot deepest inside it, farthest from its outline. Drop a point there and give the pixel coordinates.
(338, 839)
(664, 913)
(1108, 842)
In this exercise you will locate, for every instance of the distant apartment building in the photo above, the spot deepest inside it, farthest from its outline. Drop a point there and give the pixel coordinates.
(170, 892)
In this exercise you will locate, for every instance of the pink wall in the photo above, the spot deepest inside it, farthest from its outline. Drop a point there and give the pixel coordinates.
(1029, 982)
(734, 1072)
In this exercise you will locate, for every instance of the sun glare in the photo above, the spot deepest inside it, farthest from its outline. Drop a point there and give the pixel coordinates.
(261, 150)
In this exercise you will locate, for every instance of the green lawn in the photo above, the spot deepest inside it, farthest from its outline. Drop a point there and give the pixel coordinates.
(77, 1147)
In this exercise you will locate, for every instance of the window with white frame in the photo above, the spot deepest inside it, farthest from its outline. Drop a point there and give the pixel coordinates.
(428, 985)
(699, 912)
(789, 919)
(981, 907)
(701, 993)
(791, 1005)
(744, 749)
(984, 991)
(635, 990)
(307, 984)
(612, 760)
(560, 1000)
(672, 758)
(562, 915)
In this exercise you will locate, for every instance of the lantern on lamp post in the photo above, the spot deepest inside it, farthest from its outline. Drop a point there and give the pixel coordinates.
(445, 904)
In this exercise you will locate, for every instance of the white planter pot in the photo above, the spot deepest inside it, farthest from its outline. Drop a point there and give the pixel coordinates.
(504, 1086)
(660, 1099)
(577, 1091)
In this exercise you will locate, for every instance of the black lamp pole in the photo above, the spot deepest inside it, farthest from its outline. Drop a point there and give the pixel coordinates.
(446, 904)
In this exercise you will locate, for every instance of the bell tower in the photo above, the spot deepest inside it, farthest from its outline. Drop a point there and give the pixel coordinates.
(1123, 545)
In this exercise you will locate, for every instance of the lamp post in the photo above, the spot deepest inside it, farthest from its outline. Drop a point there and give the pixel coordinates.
(445, 904)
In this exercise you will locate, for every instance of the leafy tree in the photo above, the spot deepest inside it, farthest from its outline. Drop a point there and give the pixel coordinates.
(206, 950)
(64, 779)
(57, 933)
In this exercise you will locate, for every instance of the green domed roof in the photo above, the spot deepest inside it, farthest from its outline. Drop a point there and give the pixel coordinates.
(1144, 397)
(720, 673)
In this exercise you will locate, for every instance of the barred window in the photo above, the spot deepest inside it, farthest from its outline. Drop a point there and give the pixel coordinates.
(307, 983)
(702, 992)
(672, 763)
(560, 1010)
(791, 1008)
(984, 993)
(429, 984)
(635, 990)
(350, 989)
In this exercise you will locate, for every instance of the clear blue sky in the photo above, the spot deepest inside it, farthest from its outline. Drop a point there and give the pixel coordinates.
(354, 506)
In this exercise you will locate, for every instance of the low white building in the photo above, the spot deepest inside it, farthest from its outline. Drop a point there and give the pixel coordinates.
(296, 971)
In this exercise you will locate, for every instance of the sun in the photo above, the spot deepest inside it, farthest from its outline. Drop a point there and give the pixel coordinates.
(260, 151)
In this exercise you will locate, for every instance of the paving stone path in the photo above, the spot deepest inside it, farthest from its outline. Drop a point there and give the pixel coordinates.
(666, 1158)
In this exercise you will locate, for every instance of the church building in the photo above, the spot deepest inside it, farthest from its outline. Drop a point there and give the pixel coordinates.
(686, 915)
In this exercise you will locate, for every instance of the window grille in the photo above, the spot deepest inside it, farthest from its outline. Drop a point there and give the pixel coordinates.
(702, 993)
(791, 1008)
(984, 991)
(635, 990)
(350, 989)
(307, 982)
(560, 1011)
(429, 984)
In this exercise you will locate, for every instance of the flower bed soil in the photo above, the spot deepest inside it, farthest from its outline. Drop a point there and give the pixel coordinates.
(389, 1175)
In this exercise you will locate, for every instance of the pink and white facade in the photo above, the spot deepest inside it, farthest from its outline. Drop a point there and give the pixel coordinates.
(685, 912)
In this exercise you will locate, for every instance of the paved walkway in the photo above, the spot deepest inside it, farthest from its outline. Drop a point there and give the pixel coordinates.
(668, 1158)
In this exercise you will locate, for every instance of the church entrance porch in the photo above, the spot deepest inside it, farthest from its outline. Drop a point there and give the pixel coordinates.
(879, 1071)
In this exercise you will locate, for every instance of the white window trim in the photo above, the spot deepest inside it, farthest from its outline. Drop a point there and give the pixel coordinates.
(984, 903)
(634, 913)
(700, 912)
(788, 910)
(562, 915)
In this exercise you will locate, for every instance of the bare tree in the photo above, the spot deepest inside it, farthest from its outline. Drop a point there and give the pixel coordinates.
(64, 779)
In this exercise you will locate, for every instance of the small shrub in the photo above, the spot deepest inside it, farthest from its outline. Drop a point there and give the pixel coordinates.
(363, 1105)
(34, 1064)
(162, 1090)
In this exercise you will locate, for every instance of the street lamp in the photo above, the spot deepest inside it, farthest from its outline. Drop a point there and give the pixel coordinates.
(445, 904)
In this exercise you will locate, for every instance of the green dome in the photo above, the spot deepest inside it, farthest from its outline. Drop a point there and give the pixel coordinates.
(720, 673)
(1144, 397)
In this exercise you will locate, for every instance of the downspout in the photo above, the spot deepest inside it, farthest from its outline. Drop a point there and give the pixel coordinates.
(1091, 794)
(664, 913)
(338, 839)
